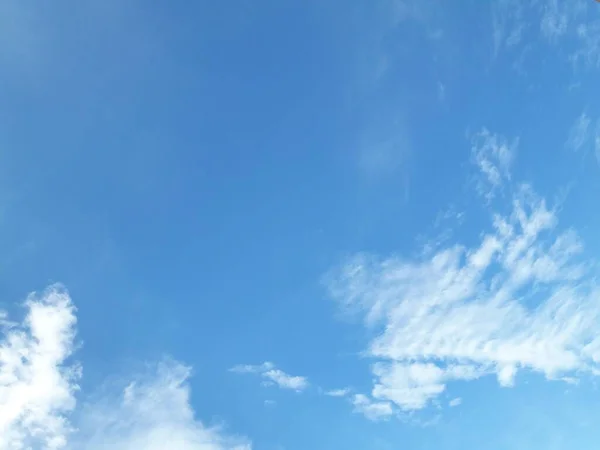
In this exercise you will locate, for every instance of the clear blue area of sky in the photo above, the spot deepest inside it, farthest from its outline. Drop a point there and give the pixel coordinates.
(191, 170)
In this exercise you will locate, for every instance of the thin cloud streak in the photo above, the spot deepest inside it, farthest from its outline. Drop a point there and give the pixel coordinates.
(273, 376)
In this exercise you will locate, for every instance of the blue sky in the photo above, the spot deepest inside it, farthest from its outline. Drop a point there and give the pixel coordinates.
(285, 225)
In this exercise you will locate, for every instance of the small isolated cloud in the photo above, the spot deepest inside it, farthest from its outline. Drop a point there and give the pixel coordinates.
(38, 387)
(588, 51)
(338, 392)
(274, 376)
(455, 402)
(372, 410)
(522, 299)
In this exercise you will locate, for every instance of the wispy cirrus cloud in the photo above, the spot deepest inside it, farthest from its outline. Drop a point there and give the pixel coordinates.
(570, 25)
(493, 156)
(523, 299)
(579, 133)
(584, 136)
(38, 394)
(273, 376)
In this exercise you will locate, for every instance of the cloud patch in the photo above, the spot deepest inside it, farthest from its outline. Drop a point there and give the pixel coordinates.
(372, 410)
(273, 376)
(584, 136)
(523, 299)
(38, 387)
(493, 156)
(338, 392)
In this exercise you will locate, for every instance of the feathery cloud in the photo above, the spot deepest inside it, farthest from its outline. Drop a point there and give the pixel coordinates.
(579, 132)
(522, 299)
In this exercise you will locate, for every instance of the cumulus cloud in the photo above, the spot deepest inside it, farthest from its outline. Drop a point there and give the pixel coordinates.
(522, 299)
(38, 386)
(274, 376)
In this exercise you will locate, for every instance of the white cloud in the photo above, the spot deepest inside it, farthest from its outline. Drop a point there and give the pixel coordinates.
(572, 25)
(455, 402)
(38, 386)
(372, 410)
(584, 136)
(555, 19)
(152, 412)
(579, 132)
(508, 24)
(338, 392)
(273, 375)
(523, 298)
(493, 156)
(588, 52)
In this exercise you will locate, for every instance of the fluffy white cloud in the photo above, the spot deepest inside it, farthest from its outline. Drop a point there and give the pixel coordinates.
(372, 410)
(523, 298)
(273, 375)
(38, 386)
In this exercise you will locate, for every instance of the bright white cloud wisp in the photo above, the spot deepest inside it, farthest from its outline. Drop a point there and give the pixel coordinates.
(274, 376)
(38, 387)
(522, 299)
